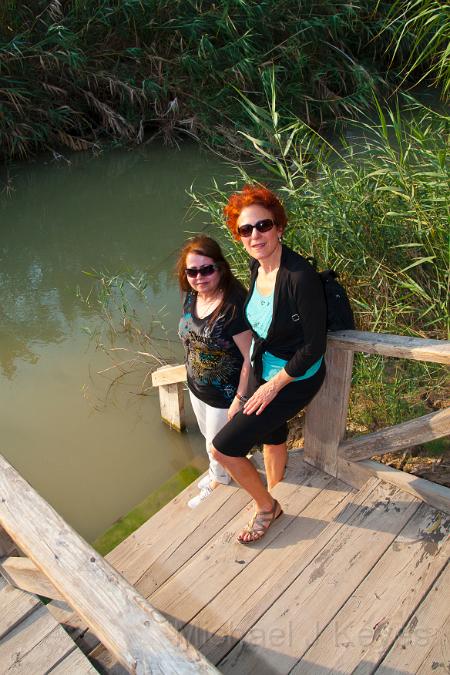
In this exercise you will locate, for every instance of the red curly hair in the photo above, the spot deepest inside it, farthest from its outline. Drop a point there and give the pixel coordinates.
(253, 194)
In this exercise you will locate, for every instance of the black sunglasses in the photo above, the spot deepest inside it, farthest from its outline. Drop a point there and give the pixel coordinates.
(261, 225)
(204, 271)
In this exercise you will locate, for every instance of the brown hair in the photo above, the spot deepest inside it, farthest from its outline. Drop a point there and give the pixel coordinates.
(203, 245)
(253, 194)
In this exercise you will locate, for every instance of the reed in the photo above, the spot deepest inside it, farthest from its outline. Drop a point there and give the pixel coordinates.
(76, 73)
(423, 28)
(377, 211)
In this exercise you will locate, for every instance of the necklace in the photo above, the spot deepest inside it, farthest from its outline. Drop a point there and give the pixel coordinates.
(205, 307)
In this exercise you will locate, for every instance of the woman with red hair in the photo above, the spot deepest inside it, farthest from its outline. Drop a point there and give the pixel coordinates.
(216, 341)
(286, 311)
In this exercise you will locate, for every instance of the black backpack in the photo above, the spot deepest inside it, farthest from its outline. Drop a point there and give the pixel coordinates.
(339, 311)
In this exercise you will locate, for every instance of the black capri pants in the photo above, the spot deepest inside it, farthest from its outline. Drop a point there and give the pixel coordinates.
(240, 434)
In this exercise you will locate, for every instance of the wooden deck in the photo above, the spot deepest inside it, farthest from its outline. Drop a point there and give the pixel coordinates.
(345, 581)
(31, 641)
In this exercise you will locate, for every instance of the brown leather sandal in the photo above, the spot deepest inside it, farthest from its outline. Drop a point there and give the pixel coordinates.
(260, 523)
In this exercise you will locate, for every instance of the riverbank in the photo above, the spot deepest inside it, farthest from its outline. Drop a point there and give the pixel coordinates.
(128, 523)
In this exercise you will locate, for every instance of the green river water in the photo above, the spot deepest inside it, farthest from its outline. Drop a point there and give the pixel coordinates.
(118, 211)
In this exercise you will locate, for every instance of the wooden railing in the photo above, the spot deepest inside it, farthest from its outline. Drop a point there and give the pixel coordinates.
(61, 565)
(326, 416)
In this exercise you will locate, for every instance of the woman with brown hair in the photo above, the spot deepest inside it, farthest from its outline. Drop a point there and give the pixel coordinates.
(216, 341)
(286, 310)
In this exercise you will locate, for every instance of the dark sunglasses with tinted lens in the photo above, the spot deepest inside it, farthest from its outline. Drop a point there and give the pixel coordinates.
(261, 225)
(204, 271)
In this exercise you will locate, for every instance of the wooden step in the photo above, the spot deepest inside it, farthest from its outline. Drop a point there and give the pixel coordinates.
(31, 641)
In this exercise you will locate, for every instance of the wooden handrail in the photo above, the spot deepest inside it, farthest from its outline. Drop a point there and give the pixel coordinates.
(138, 636)
(392, 439)
(399, 346)
(384, 344)
(326, 415)
(169, 375)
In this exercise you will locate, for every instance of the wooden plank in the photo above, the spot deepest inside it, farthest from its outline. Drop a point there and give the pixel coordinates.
(22, 639)
(431, 493)
(128, 626)
(416, 349)
(150, 543)
(169, 375)
(47, 653)
(171, 401)
(14, 607)
(182, 548)
(229, 615)
(212, 568)
(392, 439)
(367, 625)
(326, 415)
(352, 473)
(426, 635)
(74, 663)
(437, 660)
(151, 557)
(23, 573)
(321, 589)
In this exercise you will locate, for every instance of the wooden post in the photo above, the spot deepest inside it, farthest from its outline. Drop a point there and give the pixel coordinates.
(169, 380)
(326, 415)
(171, 401)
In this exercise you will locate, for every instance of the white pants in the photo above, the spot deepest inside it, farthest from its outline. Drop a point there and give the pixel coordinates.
(211, 420)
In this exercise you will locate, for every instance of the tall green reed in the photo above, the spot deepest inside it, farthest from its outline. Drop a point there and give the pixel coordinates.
(72, 73)
(376, 209)
(423, 27)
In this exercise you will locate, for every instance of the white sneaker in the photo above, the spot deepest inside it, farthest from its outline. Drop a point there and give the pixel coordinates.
(204, 482)
(198, 499)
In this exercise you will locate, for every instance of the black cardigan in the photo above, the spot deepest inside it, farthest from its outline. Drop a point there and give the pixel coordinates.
(297, 332)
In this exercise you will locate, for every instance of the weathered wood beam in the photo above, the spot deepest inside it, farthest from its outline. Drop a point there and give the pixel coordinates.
(392, 439)
(417, 349)
(23, 574)
(326, 415)
(169, 375)
(171, 403)
(434, 494)
(140, 637)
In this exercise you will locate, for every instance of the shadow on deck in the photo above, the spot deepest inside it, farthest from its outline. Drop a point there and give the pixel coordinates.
(345, 581)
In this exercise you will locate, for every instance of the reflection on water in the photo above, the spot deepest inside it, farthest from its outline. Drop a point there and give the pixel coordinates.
(123, 211)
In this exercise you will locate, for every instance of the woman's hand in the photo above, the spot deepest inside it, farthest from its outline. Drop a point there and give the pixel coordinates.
(266, 393)
(235, 406)
(261, 398)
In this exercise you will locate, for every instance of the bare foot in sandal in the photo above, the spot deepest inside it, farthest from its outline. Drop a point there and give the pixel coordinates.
(259, 524)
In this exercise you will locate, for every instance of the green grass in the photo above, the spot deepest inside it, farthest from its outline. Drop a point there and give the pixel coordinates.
(437, 447)
(145, 510)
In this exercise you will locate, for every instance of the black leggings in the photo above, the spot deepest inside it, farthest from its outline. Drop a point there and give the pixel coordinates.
(240, 434)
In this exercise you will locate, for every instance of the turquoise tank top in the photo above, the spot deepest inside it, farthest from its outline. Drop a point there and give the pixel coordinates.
(259, 313)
